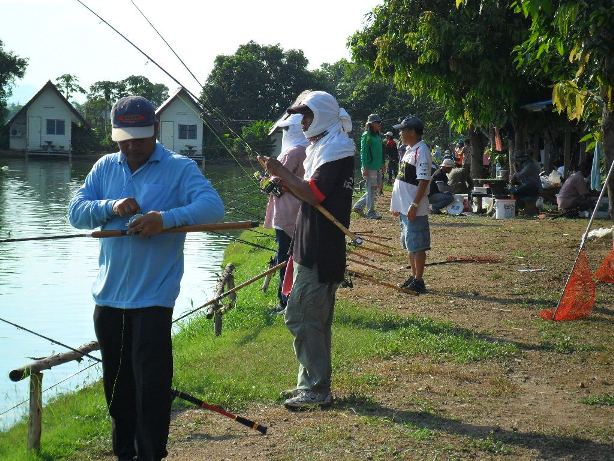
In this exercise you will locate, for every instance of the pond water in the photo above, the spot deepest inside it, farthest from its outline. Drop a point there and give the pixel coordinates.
(46, 285)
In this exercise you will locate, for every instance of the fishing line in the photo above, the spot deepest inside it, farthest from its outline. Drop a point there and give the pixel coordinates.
(175, 392)
(119, 365)
(51, 340)
(220, 115)
(245, 242)
(262, 233)
(196, 99)
(93, 364)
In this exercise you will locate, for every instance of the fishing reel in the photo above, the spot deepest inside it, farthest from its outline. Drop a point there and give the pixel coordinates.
(268, 185)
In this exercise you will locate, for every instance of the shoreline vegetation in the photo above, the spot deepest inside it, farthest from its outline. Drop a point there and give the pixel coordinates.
(411, 379)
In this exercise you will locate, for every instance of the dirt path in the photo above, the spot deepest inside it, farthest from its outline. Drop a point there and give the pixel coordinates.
(527, 407)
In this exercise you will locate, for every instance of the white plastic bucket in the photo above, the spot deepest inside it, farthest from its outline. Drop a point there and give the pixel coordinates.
(505, 208)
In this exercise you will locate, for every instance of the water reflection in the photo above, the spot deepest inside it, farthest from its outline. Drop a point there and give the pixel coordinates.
(45, 285)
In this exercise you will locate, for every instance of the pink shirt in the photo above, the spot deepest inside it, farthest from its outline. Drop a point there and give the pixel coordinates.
(281, 211)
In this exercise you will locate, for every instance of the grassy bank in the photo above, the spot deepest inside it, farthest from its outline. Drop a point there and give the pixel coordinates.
(253, 361)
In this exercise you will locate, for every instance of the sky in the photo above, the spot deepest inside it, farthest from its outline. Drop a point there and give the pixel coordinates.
(62, 37)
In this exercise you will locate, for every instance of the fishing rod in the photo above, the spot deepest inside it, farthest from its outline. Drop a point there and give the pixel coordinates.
(124, 232)
(327, 214)
(360, 275)
(207, 406)
(176, 393)
(232, 290)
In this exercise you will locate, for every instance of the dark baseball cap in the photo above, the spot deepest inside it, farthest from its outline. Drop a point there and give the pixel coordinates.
(410, 122)
(132, 117)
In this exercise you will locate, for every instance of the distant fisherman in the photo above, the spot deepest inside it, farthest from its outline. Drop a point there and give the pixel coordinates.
(410, 199)
(319, 246)
(139, 277)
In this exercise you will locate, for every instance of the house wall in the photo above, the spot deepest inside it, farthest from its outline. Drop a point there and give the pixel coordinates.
(181, 113)
(18, 132)
(49, 106)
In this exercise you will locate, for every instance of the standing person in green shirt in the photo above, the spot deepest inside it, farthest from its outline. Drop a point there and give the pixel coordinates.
(371, 161)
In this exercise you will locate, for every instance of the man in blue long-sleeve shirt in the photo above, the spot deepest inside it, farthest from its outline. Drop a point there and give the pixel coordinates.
(145, 188)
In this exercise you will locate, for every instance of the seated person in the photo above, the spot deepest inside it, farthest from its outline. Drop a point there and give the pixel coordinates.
(574, 194)
(528, 184)
(440, 194)
(460, 180)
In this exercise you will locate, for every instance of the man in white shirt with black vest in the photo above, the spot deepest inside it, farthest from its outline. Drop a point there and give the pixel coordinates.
(410, 199)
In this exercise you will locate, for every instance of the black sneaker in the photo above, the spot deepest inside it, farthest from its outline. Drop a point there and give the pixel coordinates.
(406, 283)
(417, 286)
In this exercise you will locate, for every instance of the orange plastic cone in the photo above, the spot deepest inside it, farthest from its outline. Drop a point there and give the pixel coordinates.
(605, 273)
(578, 298)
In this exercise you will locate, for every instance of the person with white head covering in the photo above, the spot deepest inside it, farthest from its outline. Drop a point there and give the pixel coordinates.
(318, 246)
(281, 211)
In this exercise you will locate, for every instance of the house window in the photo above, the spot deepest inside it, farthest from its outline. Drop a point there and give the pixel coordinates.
(187, 131)
(55, 126)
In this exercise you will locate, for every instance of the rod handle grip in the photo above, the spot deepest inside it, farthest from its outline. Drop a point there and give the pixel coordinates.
(252, 425)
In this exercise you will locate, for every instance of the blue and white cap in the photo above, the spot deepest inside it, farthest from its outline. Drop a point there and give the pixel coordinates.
(132, 117)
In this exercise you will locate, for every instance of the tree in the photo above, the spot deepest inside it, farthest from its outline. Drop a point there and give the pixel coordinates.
(361, 93)
(11, 67)
(571, 43)
(103, 94)
(68, 84)
(97, 108)
(138, 85)
(257, 82)
(256, 134)
(459, 57)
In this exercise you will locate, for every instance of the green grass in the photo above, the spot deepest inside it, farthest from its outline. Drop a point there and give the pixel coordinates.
(69, 422)
(253, 361)
(488, 444)
(567, 337)
(602, 400)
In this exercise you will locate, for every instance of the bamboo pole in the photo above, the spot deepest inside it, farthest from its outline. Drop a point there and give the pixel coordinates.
(366, 264)
(49, 362)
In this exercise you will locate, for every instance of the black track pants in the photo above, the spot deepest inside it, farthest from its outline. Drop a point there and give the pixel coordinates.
(137, 365)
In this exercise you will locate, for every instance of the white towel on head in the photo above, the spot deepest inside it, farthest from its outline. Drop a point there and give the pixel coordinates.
(293, 135)
(336, 123)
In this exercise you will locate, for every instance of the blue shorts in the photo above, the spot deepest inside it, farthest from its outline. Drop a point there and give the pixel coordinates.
(415, 235)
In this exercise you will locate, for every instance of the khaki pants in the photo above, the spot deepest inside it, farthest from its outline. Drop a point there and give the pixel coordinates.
(309, 317)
